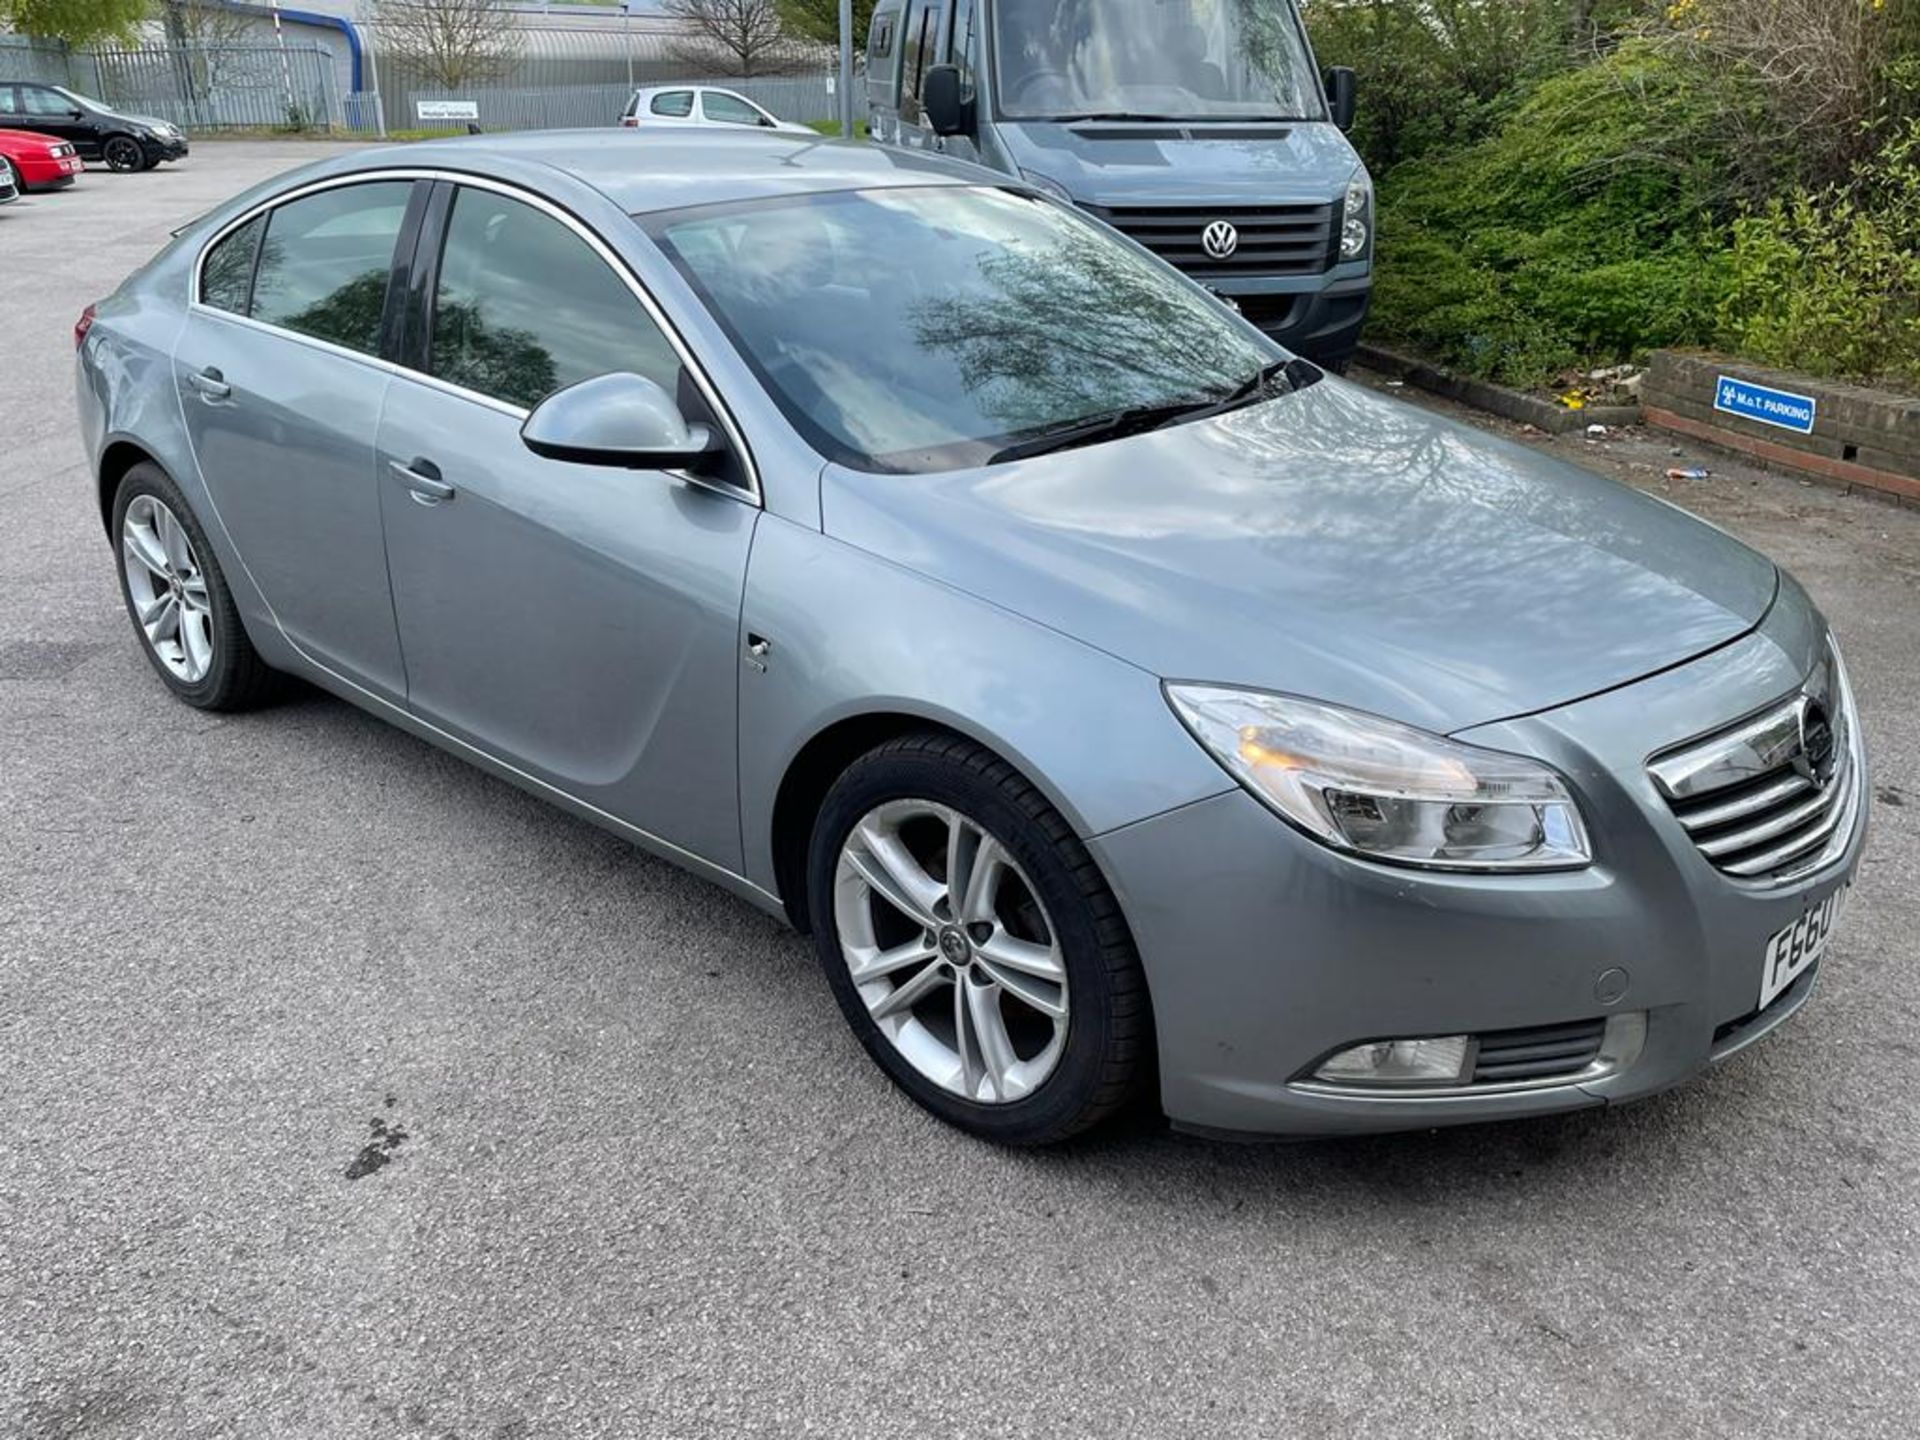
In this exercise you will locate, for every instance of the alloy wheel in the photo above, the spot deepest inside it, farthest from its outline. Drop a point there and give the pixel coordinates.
(167, 588)
(123, 153)
(951, 951)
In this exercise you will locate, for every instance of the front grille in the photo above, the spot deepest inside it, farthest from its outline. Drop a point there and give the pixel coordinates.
(1767, 798)
(1538, 1053)
(1274, 239)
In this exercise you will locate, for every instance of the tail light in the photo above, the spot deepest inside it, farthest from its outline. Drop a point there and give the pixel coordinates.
(630, 122)
(82, 326)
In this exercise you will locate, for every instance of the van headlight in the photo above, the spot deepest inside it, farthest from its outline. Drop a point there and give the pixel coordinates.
(1356, 229)
(1385, 790)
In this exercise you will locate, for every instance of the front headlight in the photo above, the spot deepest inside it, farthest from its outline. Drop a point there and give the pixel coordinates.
(1356, 228)
(1385, 790)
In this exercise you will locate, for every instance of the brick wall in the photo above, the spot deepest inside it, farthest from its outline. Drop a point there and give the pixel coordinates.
(1860, 436)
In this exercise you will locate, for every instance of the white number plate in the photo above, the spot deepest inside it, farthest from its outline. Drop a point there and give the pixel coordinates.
(1792, 952)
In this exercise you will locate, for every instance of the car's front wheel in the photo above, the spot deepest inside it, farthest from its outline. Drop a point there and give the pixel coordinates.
(124, 154)
(973, 944)
(178, 600)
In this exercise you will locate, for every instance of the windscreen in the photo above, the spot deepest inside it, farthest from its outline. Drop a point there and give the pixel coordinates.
(1152, 59)
(927, 328)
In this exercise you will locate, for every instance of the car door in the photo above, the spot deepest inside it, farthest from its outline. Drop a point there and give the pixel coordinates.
(578, 622)
(717, 107)
(48, 112)
(281, 386)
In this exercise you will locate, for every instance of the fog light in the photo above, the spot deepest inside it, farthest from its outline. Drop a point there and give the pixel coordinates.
(1442, 1060)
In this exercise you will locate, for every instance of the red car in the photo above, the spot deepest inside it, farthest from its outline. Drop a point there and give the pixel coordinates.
(37, 162)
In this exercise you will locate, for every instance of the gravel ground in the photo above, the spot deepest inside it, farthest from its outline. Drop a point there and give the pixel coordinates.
(621, 1170)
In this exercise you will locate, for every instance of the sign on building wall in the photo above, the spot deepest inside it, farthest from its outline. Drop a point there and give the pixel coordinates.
(447, 109)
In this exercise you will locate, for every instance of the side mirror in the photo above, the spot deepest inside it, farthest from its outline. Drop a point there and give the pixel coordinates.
(622, 420)
(76, 114)
(947, 113)
(1339, 81)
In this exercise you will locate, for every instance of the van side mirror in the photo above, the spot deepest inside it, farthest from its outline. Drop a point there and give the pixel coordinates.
(622, 420)
(947, 113)
(1339, 81)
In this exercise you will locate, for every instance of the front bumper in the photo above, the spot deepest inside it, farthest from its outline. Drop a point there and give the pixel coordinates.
(166, 148)
(1265, 952)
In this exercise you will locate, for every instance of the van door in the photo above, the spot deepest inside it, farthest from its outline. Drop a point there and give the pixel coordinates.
(921, 47)
(965, 50)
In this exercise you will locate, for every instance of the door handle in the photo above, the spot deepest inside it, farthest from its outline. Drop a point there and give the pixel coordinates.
(422, 479)
(211, 384)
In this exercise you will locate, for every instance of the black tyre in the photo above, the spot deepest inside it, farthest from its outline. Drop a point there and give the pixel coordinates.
(124, 154)
(178, 600)
(9, 171)
(973, 944)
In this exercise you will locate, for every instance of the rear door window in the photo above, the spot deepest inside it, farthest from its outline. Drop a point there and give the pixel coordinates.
(325, 261)
(676, 104)
(226, 280)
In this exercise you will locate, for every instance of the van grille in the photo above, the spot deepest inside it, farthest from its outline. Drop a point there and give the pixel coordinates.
(1274, 239)
(1768, 798)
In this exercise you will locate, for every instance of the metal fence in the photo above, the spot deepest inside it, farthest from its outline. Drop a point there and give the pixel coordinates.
(195, 86)
(805, 98)
(293, 86)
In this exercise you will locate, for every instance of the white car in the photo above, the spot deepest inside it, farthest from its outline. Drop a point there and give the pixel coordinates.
(701, 105)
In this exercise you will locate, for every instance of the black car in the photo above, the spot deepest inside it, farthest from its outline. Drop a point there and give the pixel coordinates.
(125, 142)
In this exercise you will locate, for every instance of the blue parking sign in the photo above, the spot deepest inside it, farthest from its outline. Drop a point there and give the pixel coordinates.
(1763, 403)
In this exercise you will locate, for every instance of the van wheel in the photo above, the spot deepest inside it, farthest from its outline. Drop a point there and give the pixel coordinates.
(973, 944)
(178, 600)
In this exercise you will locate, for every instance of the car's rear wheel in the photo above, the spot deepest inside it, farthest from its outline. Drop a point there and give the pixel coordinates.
(178, 600)
(123, 153)
(11, 172)
(973, 944)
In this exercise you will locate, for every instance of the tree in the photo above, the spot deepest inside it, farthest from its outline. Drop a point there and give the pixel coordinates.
(204, 22)
(448, 44)
(78, 22)
(820, 20)
(731, 37)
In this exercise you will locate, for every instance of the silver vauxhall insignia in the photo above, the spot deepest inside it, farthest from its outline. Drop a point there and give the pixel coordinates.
(1114, 697)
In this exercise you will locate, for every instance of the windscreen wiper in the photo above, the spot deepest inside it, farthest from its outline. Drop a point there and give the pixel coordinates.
(1116, 115)
(1110, 426)
(1138, 419)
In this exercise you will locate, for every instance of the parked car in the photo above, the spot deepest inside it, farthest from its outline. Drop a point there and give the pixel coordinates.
(701, 105)
(1206, 133)
(1110, 694)
(96, 131)
(36, 162)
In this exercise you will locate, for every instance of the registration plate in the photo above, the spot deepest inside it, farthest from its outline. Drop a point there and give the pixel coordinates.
(1794, 950)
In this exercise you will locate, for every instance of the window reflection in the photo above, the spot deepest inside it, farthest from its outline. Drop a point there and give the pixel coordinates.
(923, 328)
(525, 307)
(325, 260)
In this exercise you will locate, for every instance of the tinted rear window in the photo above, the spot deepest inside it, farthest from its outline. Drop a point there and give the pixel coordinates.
(325, 261)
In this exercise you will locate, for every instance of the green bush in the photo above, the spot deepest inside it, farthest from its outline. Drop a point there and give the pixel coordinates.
(1569, 183)
(1579, 232)
(1829, 282)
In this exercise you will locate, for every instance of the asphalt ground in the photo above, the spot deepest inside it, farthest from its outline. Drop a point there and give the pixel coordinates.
(621, 1170)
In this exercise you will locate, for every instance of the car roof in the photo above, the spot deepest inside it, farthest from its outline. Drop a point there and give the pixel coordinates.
(673, 167)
